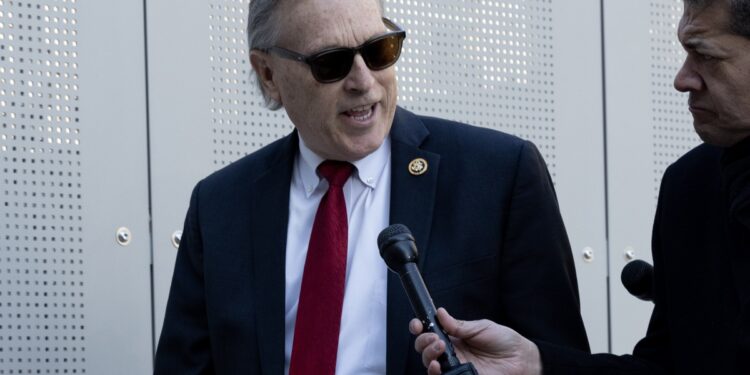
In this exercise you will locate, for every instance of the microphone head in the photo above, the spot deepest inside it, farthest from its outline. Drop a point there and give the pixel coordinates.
(638, 278)
(397, 247)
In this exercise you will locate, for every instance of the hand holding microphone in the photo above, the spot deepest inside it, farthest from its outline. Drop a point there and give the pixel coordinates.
(399, 250)
(490, 347)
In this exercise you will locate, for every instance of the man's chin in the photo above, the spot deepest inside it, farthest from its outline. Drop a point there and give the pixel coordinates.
(716, 138)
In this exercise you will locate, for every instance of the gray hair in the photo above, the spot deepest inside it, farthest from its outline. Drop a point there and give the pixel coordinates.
(263, 32)
(739, 13)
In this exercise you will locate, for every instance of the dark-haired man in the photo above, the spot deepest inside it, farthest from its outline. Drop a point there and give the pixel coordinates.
(701, 238)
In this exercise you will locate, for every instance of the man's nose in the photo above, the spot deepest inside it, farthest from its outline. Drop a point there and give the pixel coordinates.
(360, 77)
(687, 78)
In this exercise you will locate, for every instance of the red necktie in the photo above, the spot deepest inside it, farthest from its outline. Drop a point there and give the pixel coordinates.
(316, 331)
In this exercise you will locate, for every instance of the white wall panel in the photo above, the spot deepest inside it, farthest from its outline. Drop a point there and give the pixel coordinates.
(205, 112)
(178, 97)
(648, 128)
(579, 158)
(74, 169)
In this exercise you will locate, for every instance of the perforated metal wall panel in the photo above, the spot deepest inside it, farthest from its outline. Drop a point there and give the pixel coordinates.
(217, 118)
(42, 325)
(487, 63)
(648, 128)
(239, 122)
(57, 296)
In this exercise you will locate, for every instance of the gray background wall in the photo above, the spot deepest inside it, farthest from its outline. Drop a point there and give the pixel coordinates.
(110, 111)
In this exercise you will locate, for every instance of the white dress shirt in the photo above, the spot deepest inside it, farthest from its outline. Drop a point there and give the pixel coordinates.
(362, 345)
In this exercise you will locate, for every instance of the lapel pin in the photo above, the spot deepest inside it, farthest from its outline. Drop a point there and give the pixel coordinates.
(418, 166)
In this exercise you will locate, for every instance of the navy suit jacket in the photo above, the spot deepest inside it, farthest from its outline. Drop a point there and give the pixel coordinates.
(485, 219)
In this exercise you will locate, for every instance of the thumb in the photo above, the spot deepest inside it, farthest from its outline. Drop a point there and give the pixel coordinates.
(456, 328)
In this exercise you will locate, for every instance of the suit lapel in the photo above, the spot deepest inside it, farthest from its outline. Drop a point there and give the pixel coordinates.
(412, 204)
(269, 219)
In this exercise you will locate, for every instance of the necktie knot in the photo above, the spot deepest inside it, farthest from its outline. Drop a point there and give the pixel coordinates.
(335, 172)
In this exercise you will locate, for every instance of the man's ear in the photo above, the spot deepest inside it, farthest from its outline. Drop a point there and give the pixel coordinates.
(261, 62)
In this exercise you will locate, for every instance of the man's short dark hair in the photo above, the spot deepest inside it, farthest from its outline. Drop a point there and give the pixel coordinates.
(741, 17)
(739, 14)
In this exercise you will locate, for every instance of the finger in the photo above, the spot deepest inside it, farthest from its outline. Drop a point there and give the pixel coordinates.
(460, 328)
(432, 352)
(415, 327)
(433, 368)
(424, 340)
(449, 323)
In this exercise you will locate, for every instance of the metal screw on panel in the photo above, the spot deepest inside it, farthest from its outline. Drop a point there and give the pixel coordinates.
(176, 237)
(629, 253)
(588, 254)
(123, 236)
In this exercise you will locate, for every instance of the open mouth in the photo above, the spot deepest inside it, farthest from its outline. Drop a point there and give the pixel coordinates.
(361, 113)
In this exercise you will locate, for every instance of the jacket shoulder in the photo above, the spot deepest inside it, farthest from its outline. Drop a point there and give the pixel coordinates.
(454, 136)
(695, 164)
(439, 126)
(254, 165)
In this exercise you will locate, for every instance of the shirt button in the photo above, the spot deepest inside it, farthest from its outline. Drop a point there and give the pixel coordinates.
(370, 180)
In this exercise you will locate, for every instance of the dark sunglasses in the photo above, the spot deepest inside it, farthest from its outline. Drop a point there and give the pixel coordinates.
(333, 64)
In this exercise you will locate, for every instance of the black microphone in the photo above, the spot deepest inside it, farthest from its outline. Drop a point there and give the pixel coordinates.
(399, 251)
(638, 278)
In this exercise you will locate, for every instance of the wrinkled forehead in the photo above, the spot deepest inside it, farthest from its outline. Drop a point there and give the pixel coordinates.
(314, 24)
(703, 20)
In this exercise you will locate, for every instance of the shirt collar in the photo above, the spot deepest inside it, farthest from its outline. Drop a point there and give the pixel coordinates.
(368, 170)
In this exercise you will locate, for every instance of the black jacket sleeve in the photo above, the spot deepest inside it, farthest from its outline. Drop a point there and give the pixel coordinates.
(538, 267)
(184, 345)
(735, 175)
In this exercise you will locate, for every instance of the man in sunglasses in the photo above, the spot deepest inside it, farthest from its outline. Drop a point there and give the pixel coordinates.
(701, 238)
(278, 269)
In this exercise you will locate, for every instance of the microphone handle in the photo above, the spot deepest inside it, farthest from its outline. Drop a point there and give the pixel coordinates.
(424, 308)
